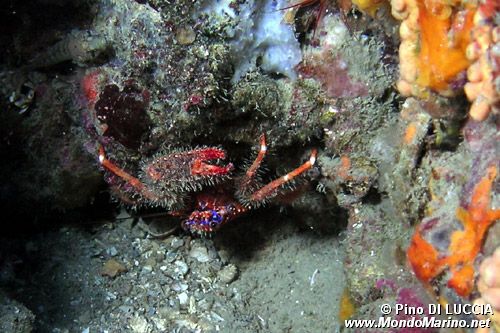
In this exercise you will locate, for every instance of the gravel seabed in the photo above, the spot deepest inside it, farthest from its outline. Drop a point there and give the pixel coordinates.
(265, 274)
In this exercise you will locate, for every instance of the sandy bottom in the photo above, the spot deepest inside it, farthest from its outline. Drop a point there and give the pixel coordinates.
(260, 275)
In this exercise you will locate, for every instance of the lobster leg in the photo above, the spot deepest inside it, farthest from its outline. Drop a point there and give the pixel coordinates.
(133, 181)
(271, 188)
(249, 176)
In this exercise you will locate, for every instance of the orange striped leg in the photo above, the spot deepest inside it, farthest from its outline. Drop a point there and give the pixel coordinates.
(136, 183)
(305, 3)
(270, 188)
(258, 160)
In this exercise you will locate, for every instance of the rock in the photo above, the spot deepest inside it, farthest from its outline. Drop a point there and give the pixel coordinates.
(228, 274)
(185, 35)
(112, 251)
(224, 255)
(139, 325)
(176, 242)
(183, 298)
(14, 316)
(171, 256)
(200, 254)
(181, 267)
(112, 268)
(177, 286)
(150, 264)
(126, 308)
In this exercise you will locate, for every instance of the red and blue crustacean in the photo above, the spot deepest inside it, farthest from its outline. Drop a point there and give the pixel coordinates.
(167, 179)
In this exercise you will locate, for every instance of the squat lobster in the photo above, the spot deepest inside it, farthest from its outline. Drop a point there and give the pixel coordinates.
(166, 178)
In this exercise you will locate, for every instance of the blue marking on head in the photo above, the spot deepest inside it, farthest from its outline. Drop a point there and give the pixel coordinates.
(216, 217)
